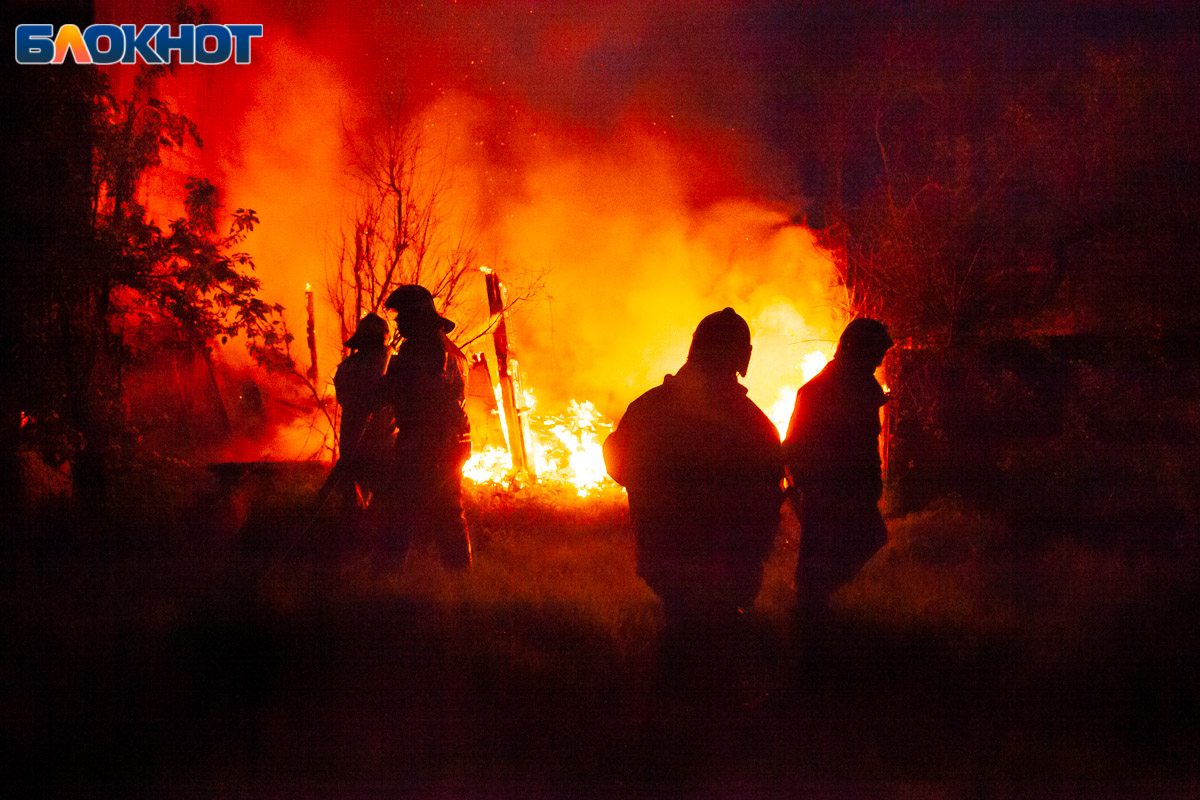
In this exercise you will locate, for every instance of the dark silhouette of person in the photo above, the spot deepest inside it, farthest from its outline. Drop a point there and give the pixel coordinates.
(832, 454)
(703, 467)
(356, 384)
(420, 497)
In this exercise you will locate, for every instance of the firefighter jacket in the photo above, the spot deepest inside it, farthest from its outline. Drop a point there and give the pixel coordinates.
(356, 384)
(424, 388)
(702, 465)
(832, 442)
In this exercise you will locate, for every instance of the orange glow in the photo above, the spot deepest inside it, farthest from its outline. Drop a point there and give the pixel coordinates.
(636, 231)
(566, 449)
(780, 411)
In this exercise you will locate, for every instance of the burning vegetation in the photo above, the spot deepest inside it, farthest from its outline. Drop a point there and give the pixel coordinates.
(614, 237)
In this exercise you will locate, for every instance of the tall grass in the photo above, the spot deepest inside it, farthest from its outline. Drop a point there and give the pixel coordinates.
(220, 601)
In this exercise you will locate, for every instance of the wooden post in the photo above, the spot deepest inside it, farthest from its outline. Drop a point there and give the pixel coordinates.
(312, 334)
(514, 422)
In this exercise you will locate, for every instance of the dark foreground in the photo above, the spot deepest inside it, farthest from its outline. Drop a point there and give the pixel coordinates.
(194, 656)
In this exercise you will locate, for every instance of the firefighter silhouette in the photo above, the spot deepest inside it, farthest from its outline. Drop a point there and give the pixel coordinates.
(702, 465)
(361, 441)
(832, 454)
(420, 495)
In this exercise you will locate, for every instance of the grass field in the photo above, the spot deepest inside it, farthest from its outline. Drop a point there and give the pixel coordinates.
(233, 643)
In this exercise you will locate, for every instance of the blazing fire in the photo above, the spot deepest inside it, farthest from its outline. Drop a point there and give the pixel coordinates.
(634, 222)
(566, 449)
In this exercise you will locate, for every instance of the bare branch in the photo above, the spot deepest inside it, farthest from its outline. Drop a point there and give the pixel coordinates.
(403, 228)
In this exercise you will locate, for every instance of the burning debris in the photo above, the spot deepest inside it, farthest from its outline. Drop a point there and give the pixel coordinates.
(563, 448)
(511, 414)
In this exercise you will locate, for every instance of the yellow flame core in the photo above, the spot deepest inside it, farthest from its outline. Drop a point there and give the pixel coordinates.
(811, 364)
(780, 411)
(565, 449)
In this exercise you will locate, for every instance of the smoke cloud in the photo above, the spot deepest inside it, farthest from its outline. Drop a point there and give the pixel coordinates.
(611, 148)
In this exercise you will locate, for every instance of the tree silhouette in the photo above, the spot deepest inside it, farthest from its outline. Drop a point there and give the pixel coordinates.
(122, 290)
(977, 185)
(404, 228)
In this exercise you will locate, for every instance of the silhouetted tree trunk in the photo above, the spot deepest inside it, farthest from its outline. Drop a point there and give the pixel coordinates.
(45, 243)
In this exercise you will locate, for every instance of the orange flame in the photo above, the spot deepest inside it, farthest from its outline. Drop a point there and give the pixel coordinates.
(641, 231)
(566, 449)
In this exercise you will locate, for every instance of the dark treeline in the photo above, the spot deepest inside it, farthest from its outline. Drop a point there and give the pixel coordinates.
(987, 171)
(48, 155)
(1014, 191)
